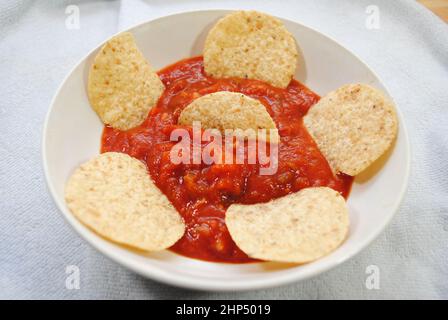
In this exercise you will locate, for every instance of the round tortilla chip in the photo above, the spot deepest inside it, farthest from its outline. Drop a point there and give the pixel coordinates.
(300, 227)
(113, 194)
(250, 44)
(230, 110)
(122, 86)
(352, 126)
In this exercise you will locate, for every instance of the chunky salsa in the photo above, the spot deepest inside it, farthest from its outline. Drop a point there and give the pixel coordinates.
(202, 192)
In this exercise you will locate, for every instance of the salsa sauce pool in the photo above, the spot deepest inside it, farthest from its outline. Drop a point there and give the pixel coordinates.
(201, 192)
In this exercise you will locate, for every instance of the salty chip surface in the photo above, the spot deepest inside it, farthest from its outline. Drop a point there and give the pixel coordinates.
(230, 110)
(300, 227)
(113, 194)
(253, 45)
(352, 126)
(122, 86)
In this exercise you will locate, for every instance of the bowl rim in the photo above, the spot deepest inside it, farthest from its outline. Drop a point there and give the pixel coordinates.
(185, 281)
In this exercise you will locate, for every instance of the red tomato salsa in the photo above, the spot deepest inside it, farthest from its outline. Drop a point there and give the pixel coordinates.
(201, 192)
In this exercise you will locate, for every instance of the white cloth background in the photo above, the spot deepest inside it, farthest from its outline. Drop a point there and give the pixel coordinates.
(409, 52)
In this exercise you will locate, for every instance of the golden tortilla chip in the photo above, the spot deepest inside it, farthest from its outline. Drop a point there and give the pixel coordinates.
(300, 227)
(253, 45)
(352, 126)
(230, 110)
(113, 194)
(122, 86)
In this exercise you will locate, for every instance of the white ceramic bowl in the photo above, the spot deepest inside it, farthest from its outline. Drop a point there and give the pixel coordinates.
(72, 135)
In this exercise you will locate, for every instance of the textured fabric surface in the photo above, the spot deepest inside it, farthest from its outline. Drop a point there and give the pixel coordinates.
(409, 52)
